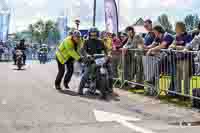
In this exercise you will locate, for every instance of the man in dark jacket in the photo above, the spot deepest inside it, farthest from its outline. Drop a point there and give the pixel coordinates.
(93, 46)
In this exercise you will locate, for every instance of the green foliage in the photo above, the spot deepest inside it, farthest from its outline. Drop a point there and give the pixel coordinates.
(165, 23)
(191, 21)
(43, 31)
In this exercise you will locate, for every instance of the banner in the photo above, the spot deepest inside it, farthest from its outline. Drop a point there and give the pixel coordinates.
(111, 16)
(4, 25)
(62, 27)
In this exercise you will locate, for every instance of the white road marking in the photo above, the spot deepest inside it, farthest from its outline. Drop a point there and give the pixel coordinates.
(102, 116)
(3, 102)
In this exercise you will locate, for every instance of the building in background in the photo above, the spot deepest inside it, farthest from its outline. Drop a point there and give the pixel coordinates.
(139, 26)
(62, 23)
(4, 24)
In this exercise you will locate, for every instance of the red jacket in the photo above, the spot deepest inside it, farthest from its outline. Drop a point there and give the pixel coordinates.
(116, 45)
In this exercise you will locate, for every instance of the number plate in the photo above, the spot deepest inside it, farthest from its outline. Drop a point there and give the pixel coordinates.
(100, 61)
(103, 71)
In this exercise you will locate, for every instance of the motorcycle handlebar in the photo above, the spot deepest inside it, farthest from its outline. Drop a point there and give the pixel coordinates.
(89, 58)
(96, 55)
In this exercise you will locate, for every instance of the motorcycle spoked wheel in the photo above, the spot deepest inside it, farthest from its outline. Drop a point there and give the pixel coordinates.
(103, 86)
(91, 85)
(19, 64)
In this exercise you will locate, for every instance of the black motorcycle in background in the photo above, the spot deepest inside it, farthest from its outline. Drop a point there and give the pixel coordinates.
(42, 54)
(19, 59)
(42, 57)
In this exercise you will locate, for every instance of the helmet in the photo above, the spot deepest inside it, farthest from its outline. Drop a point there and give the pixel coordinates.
(93, 30)
(22, 40)
(76, 33)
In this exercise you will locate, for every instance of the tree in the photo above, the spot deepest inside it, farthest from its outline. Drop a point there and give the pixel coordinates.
(41, 30)
(165, 23)
(191, 21)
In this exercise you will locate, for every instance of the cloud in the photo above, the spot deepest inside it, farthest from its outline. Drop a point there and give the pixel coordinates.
(28, 11)
(3, 4)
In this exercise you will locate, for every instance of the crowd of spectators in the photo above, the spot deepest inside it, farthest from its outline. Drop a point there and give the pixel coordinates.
(5, 51)
(156, 39)
(31, 51)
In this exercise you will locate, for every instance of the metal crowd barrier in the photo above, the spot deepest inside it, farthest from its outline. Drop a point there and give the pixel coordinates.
(169, 72)
(5, 57)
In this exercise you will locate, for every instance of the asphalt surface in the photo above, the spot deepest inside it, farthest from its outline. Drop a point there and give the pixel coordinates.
(30, 104)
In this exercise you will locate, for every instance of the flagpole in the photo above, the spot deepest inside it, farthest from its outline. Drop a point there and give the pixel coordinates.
(117, 11)
(94, 13)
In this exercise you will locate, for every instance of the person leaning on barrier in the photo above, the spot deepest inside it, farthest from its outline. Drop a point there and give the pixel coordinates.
(182, 60)
(194, 44)
(196, 31)
(133, 59)
(154, 56)
(162, 40)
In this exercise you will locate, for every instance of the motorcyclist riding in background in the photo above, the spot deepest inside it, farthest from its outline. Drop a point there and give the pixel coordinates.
(93, 46)
(21, 46)
(43, 52)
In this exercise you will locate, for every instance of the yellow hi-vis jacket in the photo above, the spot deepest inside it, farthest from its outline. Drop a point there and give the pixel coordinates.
(65, 50)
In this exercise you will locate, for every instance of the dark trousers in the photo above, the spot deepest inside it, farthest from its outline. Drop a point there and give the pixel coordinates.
(61, 71)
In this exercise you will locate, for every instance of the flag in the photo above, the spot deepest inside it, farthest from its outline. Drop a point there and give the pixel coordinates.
(111, 16)
(4, 25)
(62, 27)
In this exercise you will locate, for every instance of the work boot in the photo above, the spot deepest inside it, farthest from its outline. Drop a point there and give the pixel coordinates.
(80, 91)
(58, 87)
(104, 97)
(66, 86)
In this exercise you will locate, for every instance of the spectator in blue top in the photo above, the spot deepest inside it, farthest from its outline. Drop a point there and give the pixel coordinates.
(183, 61)
(162, 40)
(182, 37)
(150, 36)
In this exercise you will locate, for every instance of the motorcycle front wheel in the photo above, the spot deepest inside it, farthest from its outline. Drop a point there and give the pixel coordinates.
(103, 85)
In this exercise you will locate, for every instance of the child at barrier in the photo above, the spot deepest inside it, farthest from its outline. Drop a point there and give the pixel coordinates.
(183, 60)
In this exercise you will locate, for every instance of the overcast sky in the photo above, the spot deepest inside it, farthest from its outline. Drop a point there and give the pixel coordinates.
(25, 12)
